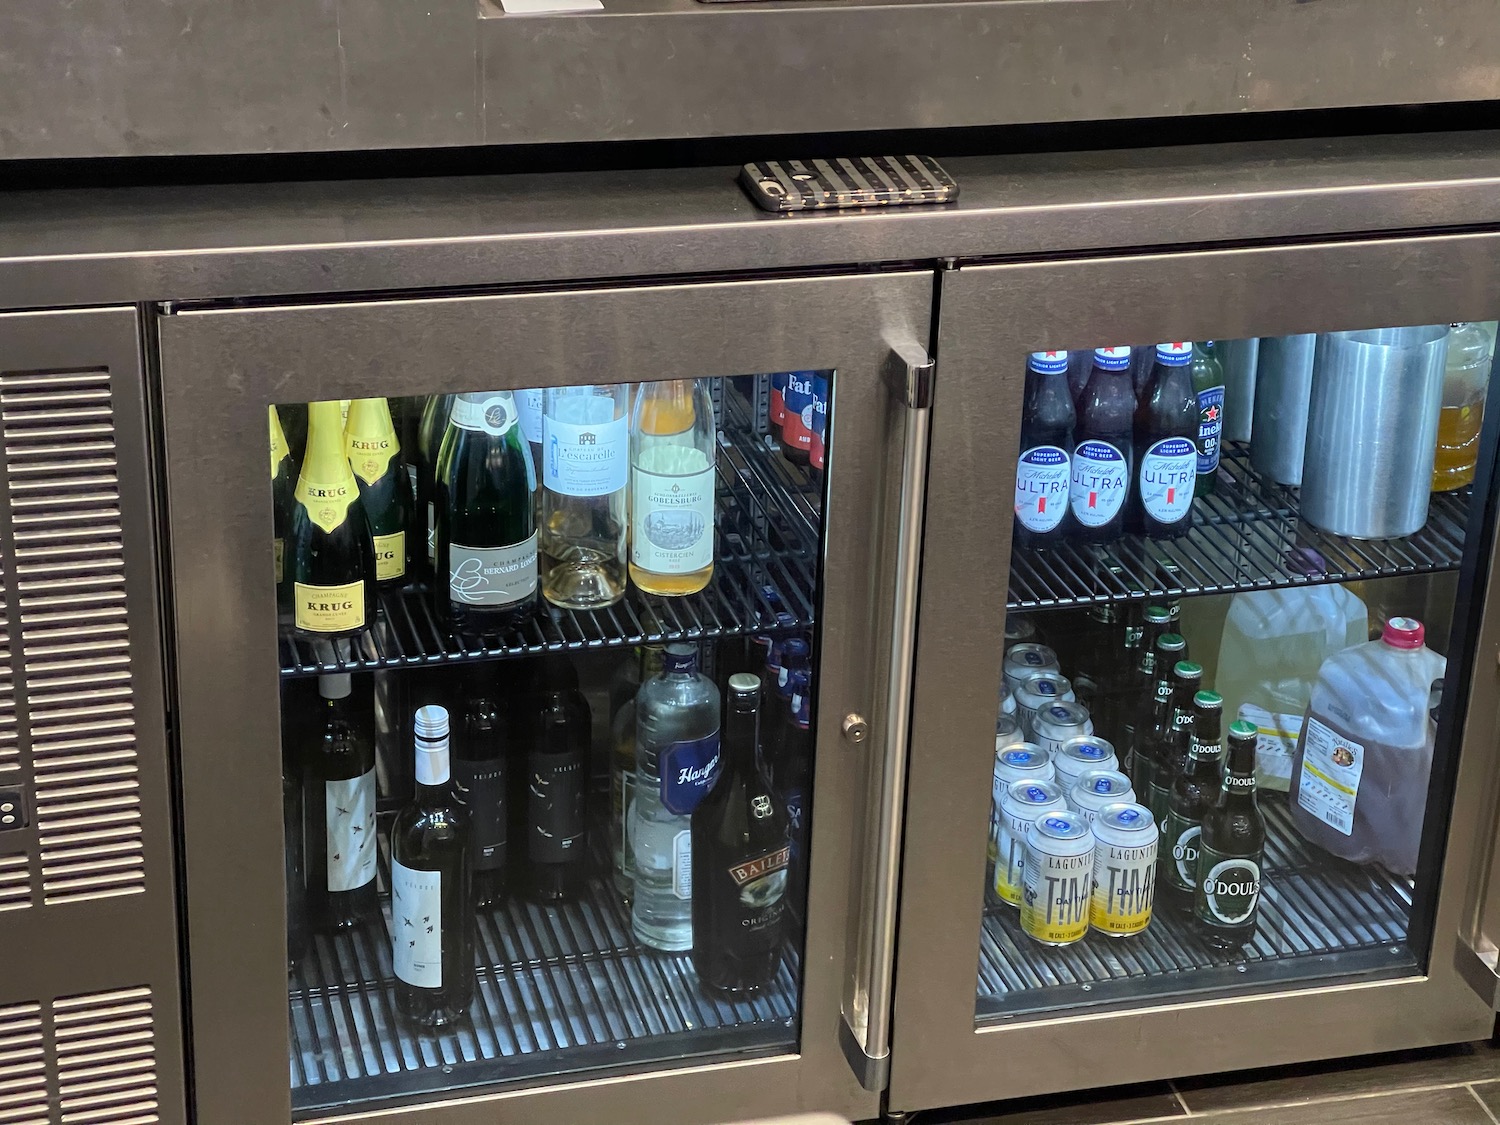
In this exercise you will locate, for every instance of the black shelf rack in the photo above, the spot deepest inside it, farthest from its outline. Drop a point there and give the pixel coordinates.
(1318, 914)
(769, 515)
(559, 990)
(1246, 535)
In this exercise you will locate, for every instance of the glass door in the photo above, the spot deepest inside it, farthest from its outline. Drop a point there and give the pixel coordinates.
(1201, 621)
(548, 694)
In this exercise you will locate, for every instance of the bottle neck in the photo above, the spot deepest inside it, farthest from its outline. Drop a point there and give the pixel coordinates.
(432, 773)
(325, 462)
(741, 734)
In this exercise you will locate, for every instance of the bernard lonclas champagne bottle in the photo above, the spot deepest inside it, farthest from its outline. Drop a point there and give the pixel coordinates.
(486, 529)
(283, 481)
(329, 552)
(384, 487)
(585, 468)
(432, 906)
(672, 457)
(338, 809)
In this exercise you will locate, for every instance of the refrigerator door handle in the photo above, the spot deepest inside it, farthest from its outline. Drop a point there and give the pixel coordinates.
(1477, 956)
(865, 1032)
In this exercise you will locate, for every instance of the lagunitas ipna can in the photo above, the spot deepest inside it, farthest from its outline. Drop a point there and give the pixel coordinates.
(1057, 878)
(1039, 692)
(1058, 723)
(1079, 755)
(1098, 788)
(1024, 661)
(1021, 803)
(1125, 842)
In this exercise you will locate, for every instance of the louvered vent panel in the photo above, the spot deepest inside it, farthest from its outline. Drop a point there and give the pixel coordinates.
(106, 1058)
(15, 882)
(69, 588)
(10, 750)
(23, 1066)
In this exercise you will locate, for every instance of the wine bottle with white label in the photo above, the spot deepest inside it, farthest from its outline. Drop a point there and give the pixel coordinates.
(585, 470)
(432, 902)
(329, 553)
(486, 531)
(283, 481)
(673, 451)
(338, 813)
(384, 487)
(430, 432)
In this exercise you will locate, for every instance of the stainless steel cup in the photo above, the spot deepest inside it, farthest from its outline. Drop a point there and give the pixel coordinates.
(1239, 358)
(1372, 430)
(1283, 385)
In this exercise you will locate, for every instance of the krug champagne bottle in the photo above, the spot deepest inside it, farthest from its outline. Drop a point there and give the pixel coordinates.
(294, 425)
(486, 531)
(430, 432)
(585, 468)
(1230, 848)
(330, 556)
(384, 487)
(556, 859)
(432, 904)
(480, 766)
(672, 457)
(283, 482)
(338, 810)
(741, 850)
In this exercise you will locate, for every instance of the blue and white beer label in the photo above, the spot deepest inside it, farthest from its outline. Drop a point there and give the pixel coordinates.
(1210, 428)
(1169, 469)
(688, 771)
(1100, 482)
(1116, 358)
(1042, 476)
(1179, 353)
(1048, 363)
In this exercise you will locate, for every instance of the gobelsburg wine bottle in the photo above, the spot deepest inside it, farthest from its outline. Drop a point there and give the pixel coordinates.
(384, 487)
(338, 809)
(330, 558)
(486, 524)
(283, 480)
(432, 905)
(741, 848)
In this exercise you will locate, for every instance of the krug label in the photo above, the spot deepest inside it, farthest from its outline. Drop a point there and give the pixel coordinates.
(1042, 476)
(329, 609)
(369, 455)
(1100, 481)
(390, 556)
(327, 504)
(1169, 469)
(492, 576)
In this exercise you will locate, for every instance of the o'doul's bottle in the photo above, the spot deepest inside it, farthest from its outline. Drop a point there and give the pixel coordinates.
(1193, 794)
(330, 557)
(384, 487)
(672, 457)
(1230, 846)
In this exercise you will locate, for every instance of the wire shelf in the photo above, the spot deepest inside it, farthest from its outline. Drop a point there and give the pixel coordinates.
(1312, 906)
(559, 990)
(769, 521)
(1246, 535)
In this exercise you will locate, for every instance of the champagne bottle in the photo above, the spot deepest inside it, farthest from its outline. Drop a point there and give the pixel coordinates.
(338, 809)
(557, 765)
(486, 531)
(480, 768)
(384, 487)
(294, 424)
(430, 433)
(332, 559)
(283, 481)
(586, 466)
(432, 907)
(672, 458)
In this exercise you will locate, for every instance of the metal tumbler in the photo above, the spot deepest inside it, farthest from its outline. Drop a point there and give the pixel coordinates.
(1372, 430)
(1283, 385)
(1239, 358)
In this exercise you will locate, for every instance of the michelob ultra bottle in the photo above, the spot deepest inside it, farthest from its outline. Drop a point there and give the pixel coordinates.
(1166, 435)
(1103, 460)
(1043, 470)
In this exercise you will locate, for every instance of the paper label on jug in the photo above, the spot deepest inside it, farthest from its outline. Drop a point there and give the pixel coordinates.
(1275, 744)
(1042, 475)
(1169, 469)
(1100, 482)
(1331, 769)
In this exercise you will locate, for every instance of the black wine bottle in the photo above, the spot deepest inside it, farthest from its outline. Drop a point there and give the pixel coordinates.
(432, 903)
(330, 555)
(480, 768)
(741, 849)
(486, 525)
(338, 813)
(283, 483)
(384, 487)
(294, 425)
(430, 431)
(557, 767)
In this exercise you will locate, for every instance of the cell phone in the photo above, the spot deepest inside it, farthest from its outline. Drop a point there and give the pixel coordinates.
(859, 181)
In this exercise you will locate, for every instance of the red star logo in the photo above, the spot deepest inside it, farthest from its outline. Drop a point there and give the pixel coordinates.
(1213, 413)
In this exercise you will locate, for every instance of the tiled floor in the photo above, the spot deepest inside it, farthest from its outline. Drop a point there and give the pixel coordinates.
(1443, 1086)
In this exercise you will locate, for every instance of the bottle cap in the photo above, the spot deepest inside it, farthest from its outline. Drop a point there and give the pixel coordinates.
(1172, 642)
(1208, 700)
(680, 658)
(1403, 632)
(744, 683)
(334, 685)
(1241, 729)
(1158, 613)
(1116, 358)
(432, 745)
(1048, 363)
(431, 722)
(1179, 353)
(796, 646)
(1187, 670)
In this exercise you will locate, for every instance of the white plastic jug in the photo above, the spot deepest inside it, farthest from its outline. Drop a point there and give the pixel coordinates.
(1273, 643)
(1359, 783)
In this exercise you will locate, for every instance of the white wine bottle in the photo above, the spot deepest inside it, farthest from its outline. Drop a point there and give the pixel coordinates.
(585, 467)
(672, 457)
(283, 481)
(384, 487)
(329, 552)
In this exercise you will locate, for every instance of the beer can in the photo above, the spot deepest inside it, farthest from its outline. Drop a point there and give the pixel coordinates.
(1097, 789)
(1008, 706)
(1018, 630)
(1057, 724)
(1021, 802)
(1007, 732)
(1020, 761)
(1041, 689)
(1079, 755)
(1125, 843)
(1057, 878)
(1025, 660)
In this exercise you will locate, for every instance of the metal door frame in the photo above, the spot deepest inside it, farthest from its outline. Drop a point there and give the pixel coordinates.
(991, 317)
(222, 367)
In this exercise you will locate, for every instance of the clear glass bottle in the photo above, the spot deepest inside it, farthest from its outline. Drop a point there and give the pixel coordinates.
(646, 661)
(677, 762)
(672, 456)
(1465, 382)
(585, 470)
